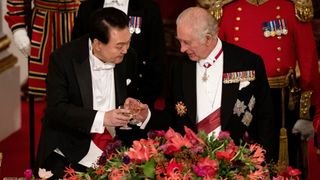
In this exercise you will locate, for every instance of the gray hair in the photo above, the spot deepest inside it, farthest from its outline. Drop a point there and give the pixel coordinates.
(201, 22)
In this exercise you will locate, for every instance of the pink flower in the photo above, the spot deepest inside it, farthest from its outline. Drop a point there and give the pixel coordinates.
(28, 174)
(174, 168)
(206, 167)
(223, 135)
(293, 172)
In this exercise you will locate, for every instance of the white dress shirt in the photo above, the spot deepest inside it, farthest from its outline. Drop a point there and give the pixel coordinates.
(119, 4)
(209, 92)
(103, 88)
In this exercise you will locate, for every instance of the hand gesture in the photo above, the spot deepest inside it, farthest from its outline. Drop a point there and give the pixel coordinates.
(117, 117)
(138, 110)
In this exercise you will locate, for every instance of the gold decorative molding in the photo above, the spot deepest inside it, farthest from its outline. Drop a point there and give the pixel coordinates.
(4, 43)
(1, 156)
(7, 63)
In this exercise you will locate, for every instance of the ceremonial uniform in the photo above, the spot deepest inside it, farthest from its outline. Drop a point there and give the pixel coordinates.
(270, 29)
(50, 27)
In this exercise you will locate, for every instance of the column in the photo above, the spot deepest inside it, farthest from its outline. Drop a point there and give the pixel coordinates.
(10, 108)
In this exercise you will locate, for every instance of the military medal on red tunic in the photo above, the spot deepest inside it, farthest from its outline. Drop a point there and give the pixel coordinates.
(284, 29)
(273, 32)
(266, 29)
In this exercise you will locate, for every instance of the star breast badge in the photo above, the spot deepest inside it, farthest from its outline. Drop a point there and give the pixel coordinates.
(181, 108)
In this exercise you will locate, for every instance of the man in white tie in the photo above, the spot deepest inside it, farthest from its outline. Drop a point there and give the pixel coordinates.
(87, 80)
(217, 86)
(147, 40)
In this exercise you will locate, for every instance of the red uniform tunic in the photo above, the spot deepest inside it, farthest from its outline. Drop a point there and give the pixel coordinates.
(51, 26)
(244, 24)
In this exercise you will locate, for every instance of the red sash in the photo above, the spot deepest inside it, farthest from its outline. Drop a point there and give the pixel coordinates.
(210, 123)
(102, 140)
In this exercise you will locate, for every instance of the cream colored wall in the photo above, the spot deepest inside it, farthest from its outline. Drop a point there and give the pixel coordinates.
(22, 61)
(10, 80)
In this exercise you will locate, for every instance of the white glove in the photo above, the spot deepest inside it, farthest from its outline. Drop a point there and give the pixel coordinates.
(22, 41)
(304, 127)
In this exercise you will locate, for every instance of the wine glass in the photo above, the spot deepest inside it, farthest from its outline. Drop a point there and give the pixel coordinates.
(134, 110)
(125, 127)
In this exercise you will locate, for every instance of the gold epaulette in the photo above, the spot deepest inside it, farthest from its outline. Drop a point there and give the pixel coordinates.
(305, 103)
(214, 7)
(303, 10)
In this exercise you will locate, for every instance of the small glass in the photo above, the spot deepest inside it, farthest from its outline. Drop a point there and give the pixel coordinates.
(125, 127)
(134, 110)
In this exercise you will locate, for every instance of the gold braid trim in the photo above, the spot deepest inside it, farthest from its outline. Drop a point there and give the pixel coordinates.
(1, 156)
(305, 103)
(214, 7)
(303, 10)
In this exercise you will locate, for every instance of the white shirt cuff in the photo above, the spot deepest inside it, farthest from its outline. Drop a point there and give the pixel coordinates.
(144, 124)
(97, 125)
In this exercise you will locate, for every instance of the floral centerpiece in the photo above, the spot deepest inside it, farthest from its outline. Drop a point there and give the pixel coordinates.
(169, 155)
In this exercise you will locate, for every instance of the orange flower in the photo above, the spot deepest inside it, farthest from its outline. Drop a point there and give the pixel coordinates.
(258, 174)
(100, 170)
(116, 174)
(142, 150)
(174, 142)
(258, 156)
(70, 174)
(174, 169)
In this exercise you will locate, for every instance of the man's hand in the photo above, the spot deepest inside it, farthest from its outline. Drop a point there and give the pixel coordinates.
(116, 117)
(305, 128)
(22, 41)
(136, 104)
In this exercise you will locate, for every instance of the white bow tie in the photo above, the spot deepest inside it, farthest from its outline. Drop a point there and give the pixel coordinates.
(116, 2)
(103, 66)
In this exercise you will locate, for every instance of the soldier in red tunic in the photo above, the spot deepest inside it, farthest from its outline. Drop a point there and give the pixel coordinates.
(274, 30)
(50, 27)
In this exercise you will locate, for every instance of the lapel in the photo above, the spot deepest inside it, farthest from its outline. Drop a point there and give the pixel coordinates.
(229, 91)
(83, 73)
(189, 88)
(120, 83)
